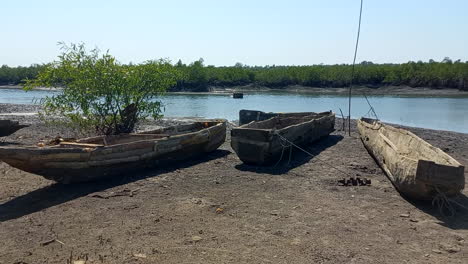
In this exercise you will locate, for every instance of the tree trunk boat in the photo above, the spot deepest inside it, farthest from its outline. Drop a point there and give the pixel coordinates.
(104, 156)
(8, 127)
(262, 142)
(247, 116)
(416, 168)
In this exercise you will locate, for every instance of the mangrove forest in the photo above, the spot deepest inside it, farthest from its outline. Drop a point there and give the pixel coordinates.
(197, 76)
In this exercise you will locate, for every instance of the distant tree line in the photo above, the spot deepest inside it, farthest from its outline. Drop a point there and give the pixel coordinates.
(198, 77)
(18, 75)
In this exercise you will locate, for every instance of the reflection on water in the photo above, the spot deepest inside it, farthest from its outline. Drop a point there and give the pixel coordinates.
(446, 113)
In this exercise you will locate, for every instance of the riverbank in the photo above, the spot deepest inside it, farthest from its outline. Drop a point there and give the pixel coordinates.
(217, 210)
(384, 90)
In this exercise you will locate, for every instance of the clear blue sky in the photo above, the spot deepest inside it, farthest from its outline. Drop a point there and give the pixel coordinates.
(254, 32)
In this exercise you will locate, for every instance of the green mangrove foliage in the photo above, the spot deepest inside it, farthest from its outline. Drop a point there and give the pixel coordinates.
(100, 92)
(196, 76)
(444, 74)
(17, 75)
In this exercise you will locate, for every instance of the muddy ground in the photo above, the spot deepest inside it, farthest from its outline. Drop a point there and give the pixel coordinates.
(217, 210)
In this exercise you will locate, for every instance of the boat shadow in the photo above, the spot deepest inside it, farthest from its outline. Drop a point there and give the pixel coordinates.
(56, 193)
(298, 157)
(457, 220)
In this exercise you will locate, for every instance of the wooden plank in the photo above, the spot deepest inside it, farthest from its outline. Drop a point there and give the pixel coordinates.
(84, 145)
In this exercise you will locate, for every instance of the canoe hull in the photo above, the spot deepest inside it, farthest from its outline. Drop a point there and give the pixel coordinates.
(417, 169)
(8, 127)
(258, 146)
(71, 165)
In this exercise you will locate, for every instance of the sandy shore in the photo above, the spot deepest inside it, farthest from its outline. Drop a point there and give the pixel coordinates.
(358, 91)
(292, 213)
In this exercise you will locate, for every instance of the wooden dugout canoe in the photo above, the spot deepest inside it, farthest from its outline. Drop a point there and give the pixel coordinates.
(104, 156)
(247, 116)
(8, 127)
(416, 168)
(258, 142)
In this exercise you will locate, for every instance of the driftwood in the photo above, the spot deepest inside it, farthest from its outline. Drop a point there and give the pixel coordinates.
(262, 142)
(8, 127)
(105, 156)
(416, 168)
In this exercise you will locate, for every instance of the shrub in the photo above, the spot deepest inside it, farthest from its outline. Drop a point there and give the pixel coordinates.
(97, 91)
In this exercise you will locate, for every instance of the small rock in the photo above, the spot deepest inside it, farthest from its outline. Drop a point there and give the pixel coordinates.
(399, 242)
(79, 262)
(437, 251)
(449, 248)
(139, 255)
(296, 242)
(426, 255)
(196, 238)
(219, 210)
(404, 215)
(414, 220)
(367, 248)
(278, 233)
(274, 213)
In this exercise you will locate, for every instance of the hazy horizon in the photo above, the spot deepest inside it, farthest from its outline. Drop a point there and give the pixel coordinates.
(253, 33)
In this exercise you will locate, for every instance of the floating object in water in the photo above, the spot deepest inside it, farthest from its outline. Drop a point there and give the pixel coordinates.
(416, 168)
(238, 95)
(104, 156)
(263, 142)
(8, 127)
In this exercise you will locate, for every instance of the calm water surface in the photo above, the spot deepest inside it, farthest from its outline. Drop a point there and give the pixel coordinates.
(445, 113)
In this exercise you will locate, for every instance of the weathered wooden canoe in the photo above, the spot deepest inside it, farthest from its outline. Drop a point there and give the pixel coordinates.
(416, 168)
(261, 142)
(8, 127)
(104, 156)
(247, 116)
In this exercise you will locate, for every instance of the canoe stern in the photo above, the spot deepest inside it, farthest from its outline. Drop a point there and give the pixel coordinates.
(447, 179)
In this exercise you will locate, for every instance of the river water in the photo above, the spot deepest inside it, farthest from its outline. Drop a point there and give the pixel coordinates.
(444, 113)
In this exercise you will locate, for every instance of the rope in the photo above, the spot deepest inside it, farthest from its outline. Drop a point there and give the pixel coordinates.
(352, 75)
(282, 142)
(443, 202)
(308, 153)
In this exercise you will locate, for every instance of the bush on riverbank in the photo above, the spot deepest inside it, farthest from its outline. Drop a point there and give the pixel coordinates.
(100, 92)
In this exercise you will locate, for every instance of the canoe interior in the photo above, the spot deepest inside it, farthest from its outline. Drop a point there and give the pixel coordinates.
(247, 116)
(280, 122)
(413, 147)
(147, 135)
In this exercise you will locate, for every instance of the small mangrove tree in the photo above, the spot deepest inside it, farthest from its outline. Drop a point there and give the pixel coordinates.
(97, 91)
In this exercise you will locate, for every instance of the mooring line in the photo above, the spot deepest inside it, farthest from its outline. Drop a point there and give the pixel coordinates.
(310, 154)
(352, 75)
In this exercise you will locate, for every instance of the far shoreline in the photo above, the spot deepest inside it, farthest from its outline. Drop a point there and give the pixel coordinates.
(297, 89)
